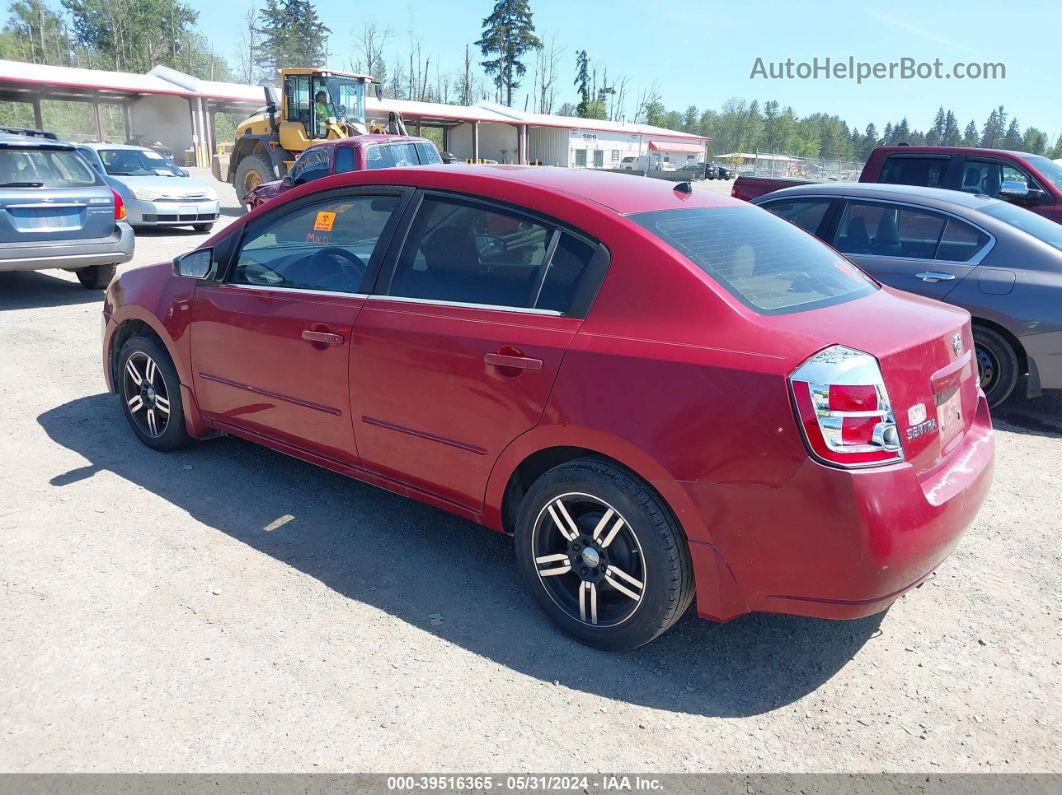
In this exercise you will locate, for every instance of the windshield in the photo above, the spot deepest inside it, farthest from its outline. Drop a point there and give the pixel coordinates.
(1049, 168)
(137, 163)
(43, 168)
(1041, 228)
(346, 97)
(765, 262)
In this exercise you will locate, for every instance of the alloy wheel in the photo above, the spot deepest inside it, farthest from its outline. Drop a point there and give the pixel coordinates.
(589, 559)
(146, 395)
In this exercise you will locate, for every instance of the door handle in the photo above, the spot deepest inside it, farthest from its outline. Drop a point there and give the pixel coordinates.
(326, 337)
(515, 362)
(935, 276)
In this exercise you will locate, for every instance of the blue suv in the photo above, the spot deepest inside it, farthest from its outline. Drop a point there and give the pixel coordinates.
(57, 212)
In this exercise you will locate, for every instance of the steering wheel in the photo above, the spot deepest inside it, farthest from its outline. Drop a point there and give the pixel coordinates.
(350, 273)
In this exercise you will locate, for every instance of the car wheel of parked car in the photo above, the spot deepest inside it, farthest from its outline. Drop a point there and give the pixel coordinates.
(603, 555)
(202, 227)
(97, 277)
(997, 364)
(250, 173)
(150, 391)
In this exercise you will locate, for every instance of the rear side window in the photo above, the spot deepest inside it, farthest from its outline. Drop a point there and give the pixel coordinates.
(766, 263)
(464, 252)
(44, 168)
(925, 171)
(428, 154)
(805, 213)
(960, 242)
(344, 159)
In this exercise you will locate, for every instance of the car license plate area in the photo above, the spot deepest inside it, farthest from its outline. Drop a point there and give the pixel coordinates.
(949, 415)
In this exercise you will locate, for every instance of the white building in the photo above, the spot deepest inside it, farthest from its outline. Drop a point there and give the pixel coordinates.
(178, 110)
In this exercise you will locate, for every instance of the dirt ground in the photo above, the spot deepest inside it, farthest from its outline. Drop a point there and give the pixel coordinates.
(226, 608)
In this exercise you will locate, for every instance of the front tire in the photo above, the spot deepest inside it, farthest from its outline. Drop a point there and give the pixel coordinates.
(202, 227)
(997, 365)
(150, 391)
(96, 277)
(603, 555)
(250, 173)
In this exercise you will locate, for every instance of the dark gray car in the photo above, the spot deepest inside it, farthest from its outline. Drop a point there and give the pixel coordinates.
(999, 261)
(56, 212)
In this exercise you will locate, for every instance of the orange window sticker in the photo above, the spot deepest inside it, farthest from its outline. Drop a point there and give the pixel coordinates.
(324, 222)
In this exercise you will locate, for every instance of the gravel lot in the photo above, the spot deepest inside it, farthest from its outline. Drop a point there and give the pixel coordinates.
(226, 608)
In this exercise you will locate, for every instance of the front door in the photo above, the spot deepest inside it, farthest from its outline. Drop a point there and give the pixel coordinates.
(909, 248)
(457, 355)
(271, 342)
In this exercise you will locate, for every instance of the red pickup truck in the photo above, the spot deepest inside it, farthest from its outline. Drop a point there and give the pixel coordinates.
(1030, 181)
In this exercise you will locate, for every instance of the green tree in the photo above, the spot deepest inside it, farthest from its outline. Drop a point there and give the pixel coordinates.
(582, 83)
(290, 35)
(508, 33)
(935, 136)
(1035, 141)
(970, 136)
(132, 35)
(35, 33)
(995, 128)
(690, 118)
(952, 136)
(1012, 139)
(1056, 150)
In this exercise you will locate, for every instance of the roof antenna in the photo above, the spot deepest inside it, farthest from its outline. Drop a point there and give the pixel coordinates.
(684, 187)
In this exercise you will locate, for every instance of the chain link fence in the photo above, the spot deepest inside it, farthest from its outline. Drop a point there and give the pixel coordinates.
(782, 166)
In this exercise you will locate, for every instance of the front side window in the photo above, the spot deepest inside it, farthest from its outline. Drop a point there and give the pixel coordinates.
(462, 252)
(1050, 169)
(805, 213)
(44, 168)
(992, 177)
(326, 245)
(888, 230)
(763, 261)
(924, 171)
(297, 90)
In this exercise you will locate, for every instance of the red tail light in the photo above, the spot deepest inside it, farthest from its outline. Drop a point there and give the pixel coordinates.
(119, 206)
(844, 409)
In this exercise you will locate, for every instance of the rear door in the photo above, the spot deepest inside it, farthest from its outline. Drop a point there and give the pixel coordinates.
(50, 194)
(456, 353)
(910, 248)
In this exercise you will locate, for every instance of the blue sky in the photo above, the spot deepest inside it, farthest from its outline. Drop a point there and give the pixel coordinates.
(702, 53)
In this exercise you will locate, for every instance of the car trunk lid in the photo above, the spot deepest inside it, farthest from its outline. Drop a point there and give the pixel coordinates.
(925, 352)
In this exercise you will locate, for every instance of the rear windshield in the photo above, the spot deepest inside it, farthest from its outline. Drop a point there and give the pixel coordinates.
(44, 168)
(765, 262)
(1039, 227)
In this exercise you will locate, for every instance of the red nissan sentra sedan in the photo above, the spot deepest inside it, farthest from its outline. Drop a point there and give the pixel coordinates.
(658, 391)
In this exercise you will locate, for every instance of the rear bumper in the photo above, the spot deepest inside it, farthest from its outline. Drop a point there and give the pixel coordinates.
(69, 255)
(169, 213)
(833, 543)
(1044, 352)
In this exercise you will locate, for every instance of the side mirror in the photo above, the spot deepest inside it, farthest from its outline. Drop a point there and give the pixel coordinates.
(195, 265)
(1019, 193)
(378, 87)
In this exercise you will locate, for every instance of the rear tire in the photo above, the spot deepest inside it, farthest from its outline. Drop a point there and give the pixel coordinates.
(150, 391)
(613, 568)
(96, 277)
(251, 172)
(997, 365)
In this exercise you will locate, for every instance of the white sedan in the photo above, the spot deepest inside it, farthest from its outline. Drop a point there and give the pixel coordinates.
(156, 191)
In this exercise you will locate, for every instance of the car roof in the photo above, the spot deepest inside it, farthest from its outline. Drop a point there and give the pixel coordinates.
(100, 145)
(915, 194)
(9, 141)
(623, 193)
(368, 138)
